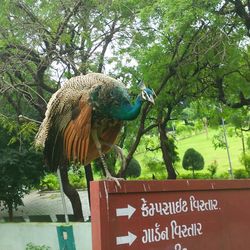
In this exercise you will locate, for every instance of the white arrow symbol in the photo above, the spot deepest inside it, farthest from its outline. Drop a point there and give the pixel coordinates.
(127, 211)
(128, 239)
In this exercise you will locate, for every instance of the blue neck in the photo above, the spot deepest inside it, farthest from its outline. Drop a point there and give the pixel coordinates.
(129, 112)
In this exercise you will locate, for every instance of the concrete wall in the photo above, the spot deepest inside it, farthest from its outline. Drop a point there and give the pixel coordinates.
(15, 236)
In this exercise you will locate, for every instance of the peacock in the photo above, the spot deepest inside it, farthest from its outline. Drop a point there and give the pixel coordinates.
(84, 117)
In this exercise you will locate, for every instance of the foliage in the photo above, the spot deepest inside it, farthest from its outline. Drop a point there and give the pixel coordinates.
(31, 246)
(248, 142)
(219, 140)
(134, 169)
(239, 118)
(156, 168)
(172, 149)
(149, 148)
(20, 171)
(192, 160)
(224, 175)
(20, 165)
(184, 130)
(245, 160)
(147, 153)
(43, 43)
(240, 174)
(49, 182)
(77, 177)
(212, 169)
(197, 176)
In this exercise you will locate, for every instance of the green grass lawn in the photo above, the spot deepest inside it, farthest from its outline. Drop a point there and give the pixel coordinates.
(204, 145)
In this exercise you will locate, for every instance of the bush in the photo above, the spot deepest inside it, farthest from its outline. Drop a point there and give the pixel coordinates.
(49, 182)
(245, 160)
(156, 168)
(240, 174)
(186, 176)
(146, 178)
(77, 181)
(192, 160)
(204, 175)
(184, 130)
(133, 169)
(76, 177)
(20, 171)
(224, 175)
(212, 169)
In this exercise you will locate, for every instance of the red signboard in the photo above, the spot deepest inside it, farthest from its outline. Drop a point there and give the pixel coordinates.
(171, 215)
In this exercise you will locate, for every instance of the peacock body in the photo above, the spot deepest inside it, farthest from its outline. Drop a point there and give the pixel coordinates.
(84, 118)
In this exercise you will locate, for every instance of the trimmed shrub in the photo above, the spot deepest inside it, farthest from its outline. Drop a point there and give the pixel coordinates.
(193, 160)
(133, 169)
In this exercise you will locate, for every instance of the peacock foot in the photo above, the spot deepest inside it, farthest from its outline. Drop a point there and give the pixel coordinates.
(115, 179)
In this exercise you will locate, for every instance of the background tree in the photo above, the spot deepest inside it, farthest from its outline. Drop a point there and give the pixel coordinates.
(21, 167)
(174, 57)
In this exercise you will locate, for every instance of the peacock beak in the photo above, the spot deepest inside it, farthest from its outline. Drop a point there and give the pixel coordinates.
(151, 99)
(148, 97)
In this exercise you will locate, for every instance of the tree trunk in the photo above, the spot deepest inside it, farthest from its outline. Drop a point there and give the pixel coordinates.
(165, 152)
(243, 148)
(72, 194)
(206, 126)
(243, 142)
(10, 211)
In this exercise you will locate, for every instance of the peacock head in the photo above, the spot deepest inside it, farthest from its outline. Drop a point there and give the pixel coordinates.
(147, 94)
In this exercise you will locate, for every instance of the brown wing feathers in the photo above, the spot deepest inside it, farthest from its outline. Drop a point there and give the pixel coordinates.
(76, 135)
(108, 136)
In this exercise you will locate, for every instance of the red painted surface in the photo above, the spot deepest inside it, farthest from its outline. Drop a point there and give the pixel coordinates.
(171, 215)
